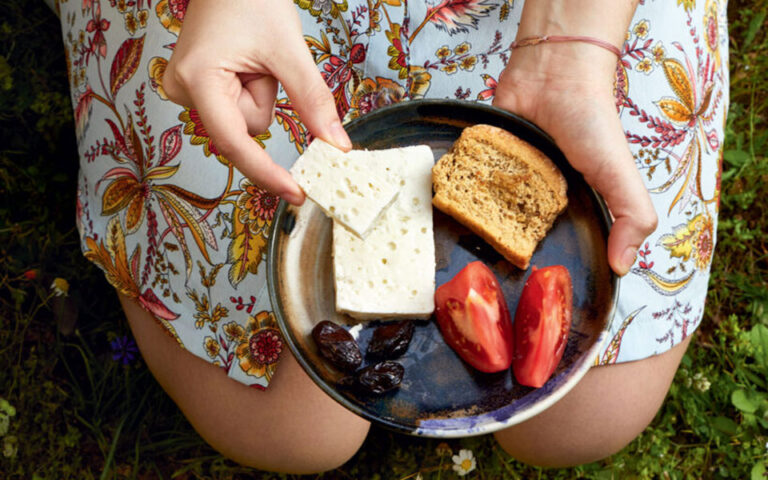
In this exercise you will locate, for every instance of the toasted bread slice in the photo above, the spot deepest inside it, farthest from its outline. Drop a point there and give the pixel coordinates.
(502, 188)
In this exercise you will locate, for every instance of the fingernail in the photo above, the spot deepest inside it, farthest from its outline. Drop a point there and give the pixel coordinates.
(340, 137)
(293, 197)
(627, 260)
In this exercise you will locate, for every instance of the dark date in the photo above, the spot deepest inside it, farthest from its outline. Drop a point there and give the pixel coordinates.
(391, 339)
(381, 377)
(376, 379)
(337, 346)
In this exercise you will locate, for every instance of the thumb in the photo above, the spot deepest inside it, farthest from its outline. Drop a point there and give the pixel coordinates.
(608, 165)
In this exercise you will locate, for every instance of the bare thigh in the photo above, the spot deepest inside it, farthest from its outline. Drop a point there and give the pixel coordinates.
(609, 408)
(291, 427)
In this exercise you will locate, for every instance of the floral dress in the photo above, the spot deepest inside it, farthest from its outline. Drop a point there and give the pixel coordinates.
(176, 227)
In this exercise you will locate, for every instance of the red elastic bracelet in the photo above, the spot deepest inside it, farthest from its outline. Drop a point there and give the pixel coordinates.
(566, 38)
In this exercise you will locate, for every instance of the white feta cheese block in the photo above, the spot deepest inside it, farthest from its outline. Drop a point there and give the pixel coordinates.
(353, 188)
(391, 274)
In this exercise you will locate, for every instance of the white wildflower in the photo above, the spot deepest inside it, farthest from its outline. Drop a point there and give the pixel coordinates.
(60, 287)
(464, 462)
(700, 382)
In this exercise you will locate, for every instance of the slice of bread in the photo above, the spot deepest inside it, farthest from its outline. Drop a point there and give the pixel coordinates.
(502, 188)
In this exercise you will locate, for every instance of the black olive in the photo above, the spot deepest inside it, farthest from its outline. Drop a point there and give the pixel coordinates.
(381, 377)
(337, 346)
(391, 339)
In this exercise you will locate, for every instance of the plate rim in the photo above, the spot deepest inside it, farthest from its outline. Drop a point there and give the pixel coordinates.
(277, 229)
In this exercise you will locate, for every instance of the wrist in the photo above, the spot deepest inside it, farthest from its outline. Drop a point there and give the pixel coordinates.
(605, 21)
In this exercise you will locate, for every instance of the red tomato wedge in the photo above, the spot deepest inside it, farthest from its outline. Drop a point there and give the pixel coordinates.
(474, 318)
(542, 322)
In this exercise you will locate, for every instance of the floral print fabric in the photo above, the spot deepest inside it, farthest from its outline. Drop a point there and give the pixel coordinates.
(176, 227)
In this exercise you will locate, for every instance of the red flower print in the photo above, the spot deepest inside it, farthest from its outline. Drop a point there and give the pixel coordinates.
(489, 92)
(171, 14)
(97, 26)
(178, 8)
(260, 346)
(266, 346)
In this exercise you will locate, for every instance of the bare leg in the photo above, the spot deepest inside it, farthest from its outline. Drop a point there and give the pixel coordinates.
(292, 427)
(609, 408)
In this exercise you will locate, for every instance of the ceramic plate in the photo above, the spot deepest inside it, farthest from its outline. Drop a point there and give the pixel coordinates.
(440, 395)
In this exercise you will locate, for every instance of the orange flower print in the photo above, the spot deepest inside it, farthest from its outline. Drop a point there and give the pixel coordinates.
(462, 48)
(692, 240)
(131, 24)
(156, 67)
(256, 206)
(443, 52)
(142, 16)
(420, 80)
(373, 94)
(212, 347)
(641, 29)
(171, 14)
(658, 52)
(233, 331)
(260, 346)
(468, 63)
(645, 66)
(450, 68)
(704, 243)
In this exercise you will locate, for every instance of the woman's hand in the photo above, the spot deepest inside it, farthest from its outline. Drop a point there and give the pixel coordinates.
(227, 63)
(567, 90)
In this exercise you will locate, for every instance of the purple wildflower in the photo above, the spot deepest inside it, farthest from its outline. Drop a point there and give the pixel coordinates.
(123, 349)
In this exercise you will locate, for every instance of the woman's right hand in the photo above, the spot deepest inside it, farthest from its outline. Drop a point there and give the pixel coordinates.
(227, 63)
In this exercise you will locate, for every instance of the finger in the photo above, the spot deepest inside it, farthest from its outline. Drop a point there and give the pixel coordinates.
(310, 95)
(611, 170)
(173, 86)
(215, 101)
(257, 102)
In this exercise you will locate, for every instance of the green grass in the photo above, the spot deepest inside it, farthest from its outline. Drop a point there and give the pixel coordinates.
(69, 412)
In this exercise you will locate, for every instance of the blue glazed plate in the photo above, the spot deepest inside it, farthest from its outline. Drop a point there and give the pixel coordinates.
(440, 395)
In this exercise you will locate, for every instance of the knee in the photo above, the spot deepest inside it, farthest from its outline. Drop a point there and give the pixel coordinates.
(571, 449)
(291, 454)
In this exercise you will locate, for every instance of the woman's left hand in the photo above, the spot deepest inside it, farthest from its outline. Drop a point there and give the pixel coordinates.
(566, 90)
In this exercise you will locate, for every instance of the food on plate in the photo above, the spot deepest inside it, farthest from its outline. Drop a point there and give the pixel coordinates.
(376, 379)
(542, 323)
(474, 318)
(340, 348)
(337, 345)
(391, 273)
(502, 188)
(390, 340)
(353, 188)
